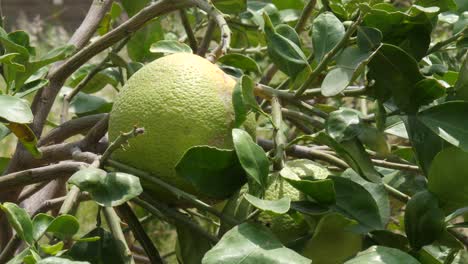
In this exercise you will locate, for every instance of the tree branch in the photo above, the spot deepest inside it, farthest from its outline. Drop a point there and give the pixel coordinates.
(188, 30)
(40, 174)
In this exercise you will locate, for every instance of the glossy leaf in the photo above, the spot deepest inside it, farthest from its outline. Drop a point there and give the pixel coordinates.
(461, 86)
(240, 61)
(251, 243)
(108, 76)
(327, 31)
(448, 178)
(448, 121)
(190, 247)
(323, 246)
(286, 55)
(382, 255)
(169, 47)
(368, 39)
(40, 224)
(86, 104)
(444, 5)
(14, 109)
(19, 220)
(280, 206)
(214, 172)
(424, 220)
(426, 143)
(395, 74)
(134, 6)
(349, 65)
(354, 201)
(64, 226)
(251, 156)
(58, 260)
(241, 109)
(52, 249)
(231, 6)
(343, 124)
(107, 189)
(27, 137)
(139, 45)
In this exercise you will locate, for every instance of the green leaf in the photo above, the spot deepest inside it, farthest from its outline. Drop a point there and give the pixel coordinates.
(251, 243)
(424, 220)
(461, 86)
(396, 75)
(214, 172)
(169, 47)
(288, 32)
(86, 104)
(57, 260)
(20, 221)
(31, 87)
(134, 6)
(241, 109)
(343, 124)
(425, 142)
(190, 247)
(251, 156)
(327, 31)
(14, 109)
(4, 131)
(321, 190)
(27, 137)
(104, 250)
(280, 206)
(231, 6)
(448, 121)
(382, 255)
(7, 59)
(40, 224)
(286, 55)
(323, 246)
(376, 190)
(64, 226)
(444, 5)
(354, 201)
(349, 65)
(240, 61)
(448, 178)
(138, 47)
(52, 249)
(107, 189)
(456, 213)
(368, 38)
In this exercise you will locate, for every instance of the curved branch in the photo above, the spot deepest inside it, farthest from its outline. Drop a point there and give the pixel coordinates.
(218, 16)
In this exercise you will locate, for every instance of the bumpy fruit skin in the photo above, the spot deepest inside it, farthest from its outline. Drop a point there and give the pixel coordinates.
(181, 100)
(287, 227)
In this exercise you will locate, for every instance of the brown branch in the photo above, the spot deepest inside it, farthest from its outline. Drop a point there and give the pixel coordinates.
(69, 129)
(40, 174)
(188, 30)
(205, 43)
(218, 17)
(305, 152)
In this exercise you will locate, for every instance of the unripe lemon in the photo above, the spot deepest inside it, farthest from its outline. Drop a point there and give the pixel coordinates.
(181, 100)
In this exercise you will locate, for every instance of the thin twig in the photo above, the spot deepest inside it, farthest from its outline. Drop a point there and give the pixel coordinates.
(205, 43)
(218, 17)
(139, 232)
(119, 141)
(71, 200)
(30, 176)
(113, 222)
(188, 30)
(441, 44)
(149, 204)
(278, 134)
(10, 248)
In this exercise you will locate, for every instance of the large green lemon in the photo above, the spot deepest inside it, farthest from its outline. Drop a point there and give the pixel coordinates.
(182, 100)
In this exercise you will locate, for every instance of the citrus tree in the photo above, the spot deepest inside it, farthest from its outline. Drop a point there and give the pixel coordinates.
(274, 131)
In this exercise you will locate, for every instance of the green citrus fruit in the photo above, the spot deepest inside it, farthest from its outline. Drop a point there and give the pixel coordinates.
(290, 226)
(181, 100)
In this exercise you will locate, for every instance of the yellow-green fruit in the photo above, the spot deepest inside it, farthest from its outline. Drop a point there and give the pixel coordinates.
(182, 100)
(287, 227)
